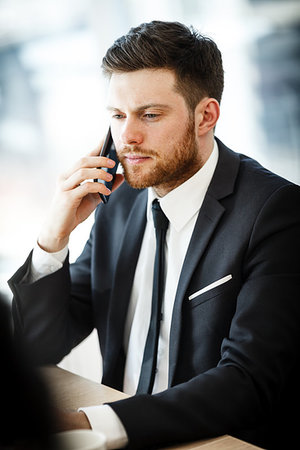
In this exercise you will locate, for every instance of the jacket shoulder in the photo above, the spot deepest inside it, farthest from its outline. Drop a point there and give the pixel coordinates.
(247, 175)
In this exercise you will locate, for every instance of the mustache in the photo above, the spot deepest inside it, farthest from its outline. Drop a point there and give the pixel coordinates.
(135, 149)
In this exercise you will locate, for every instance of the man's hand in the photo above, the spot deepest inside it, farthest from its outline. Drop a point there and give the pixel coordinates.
(76, 197)
(73, 420)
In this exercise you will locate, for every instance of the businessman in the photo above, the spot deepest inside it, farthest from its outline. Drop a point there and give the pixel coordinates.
(191, 271)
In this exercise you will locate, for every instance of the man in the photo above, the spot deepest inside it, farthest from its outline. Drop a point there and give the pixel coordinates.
(229, 329)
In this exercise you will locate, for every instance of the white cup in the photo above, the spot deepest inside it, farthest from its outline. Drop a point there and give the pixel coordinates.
(79, 440)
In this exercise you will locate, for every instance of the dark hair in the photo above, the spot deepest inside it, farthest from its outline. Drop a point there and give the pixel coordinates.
(195, 59)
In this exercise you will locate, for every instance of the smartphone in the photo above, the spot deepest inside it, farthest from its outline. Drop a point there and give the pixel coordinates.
(108, 150)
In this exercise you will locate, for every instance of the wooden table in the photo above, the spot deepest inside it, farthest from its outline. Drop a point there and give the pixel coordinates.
(71, 391)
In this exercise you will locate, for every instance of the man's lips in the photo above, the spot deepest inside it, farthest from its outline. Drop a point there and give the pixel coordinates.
(135, 158)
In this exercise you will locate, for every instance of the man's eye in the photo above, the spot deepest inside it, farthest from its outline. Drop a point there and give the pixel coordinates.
(118, 116)
(151, 115)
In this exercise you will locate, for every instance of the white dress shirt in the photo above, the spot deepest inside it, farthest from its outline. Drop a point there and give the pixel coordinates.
(181, 206)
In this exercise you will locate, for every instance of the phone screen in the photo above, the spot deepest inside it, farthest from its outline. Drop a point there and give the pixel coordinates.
(108, 150)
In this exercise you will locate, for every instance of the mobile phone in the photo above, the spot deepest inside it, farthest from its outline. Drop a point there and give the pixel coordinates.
(108, 150)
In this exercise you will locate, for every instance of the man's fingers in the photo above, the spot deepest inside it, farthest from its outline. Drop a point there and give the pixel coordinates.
(96, 188)
(90, 187)
(89, 162)
(82, 175)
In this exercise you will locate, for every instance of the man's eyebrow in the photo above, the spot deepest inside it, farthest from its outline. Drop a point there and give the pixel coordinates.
(111, 108)
(143, 107)
(153, 105)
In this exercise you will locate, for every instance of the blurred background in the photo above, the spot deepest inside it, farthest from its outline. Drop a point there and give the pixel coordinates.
(52, 101)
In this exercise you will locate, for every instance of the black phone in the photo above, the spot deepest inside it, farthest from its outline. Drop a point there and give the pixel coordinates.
(108, 149)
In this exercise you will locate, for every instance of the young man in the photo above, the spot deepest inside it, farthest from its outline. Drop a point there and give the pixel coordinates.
(226, 356)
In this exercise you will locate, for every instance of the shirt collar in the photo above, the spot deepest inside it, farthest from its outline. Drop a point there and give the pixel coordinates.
(183, 202)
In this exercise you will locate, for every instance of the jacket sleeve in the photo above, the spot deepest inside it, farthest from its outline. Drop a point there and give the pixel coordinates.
(53, 314)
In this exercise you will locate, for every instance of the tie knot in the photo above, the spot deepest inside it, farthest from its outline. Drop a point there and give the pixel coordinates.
(159, 218)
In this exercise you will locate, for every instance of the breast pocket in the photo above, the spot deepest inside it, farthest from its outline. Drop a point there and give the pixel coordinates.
(210, 291)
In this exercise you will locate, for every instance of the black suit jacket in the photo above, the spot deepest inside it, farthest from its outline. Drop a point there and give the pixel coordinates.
(233, 349)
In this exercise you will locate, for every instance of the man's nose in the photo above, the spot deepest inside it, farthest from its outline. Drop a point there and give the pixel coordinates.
(131, 133)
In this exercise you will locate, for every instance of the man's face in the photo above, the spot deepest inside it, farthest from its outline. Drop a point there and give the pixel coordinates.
(152, 130)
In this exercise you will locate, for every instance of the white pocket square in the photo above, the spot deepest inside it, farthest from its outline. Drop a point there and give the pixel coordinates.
(211, 286)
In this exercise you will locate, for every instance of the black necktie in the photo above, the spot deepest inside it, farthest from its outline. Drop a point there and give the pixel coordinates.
(148, 369)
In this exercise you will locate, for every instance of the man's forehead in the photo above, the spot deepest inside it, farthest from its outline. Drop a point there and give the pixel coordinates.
(144, 74)
(145, 86)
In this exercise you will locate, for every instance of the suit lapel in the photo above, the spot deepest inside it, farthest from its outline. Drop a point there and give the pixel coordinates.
(210, 214)
(123, 279)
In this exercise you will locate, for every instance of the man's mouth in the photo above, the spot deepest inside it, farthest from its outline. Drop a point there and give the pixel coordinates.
(135, 159)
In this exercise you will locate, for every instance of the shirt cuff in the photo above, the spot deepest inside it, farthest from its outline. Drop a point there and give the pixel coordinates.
(44, 263)
(102, 418)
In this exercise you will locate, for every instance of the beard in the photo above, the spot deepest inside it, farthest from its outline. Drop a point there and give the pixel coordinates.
(170, 169)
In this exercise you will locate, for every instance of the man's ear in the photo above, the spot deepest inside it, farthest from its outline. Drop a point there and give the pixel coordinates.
(207, 113)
